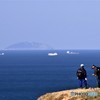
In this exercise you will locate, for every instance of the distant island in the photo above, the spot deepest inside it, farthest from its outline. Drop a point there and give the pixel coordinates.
(29, 46)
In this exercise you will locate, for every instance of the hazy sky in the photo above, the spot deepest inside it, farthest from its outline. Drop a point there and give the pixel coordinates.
(62, 24)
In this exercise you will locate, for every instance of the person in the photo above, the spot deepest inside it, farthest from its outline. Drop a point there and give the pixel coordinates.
(96, 74)
(82, 76)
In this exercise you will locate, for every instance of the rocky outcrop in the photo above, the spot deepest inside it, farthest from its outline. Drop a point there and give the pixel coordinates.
(66, 95)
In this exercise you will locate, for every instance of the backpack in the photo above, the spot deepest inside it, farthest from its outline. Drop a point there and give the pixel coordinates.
(79, 73)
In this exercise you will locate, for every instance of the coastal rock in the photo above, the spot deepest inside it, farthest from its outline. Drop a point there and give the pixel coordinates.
(66, 95)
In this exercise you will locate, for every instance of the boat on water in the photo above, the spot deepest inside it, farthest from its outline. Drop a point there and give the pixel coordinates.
(72, 52)
(52, 54)
(2, 54)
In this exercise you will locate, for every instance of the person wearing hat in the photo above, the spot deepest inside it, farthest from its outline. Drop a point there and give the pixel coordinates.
(82, 76)
(96, 74)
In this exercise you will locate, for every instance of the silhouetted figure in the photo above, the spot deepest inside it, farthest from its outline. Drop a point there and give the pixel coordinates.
(82, 76)
(96, 74)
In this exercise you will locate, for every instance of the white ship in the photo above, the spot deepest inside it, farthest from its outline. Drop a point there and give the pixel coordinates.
(2, 54)
(52, 54)
(72, 52)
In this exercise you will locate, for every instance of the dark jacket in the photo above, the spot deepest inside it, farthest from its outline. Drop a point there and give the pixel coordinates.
(97, 71)
(84, 74)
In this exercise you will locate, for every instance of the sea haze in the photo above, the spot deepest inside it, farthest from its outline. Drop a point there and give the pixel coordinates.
(26, 75)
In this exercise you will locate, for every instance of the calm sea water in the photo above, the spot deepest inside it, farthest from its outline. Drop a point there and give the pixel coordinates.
(26, 75)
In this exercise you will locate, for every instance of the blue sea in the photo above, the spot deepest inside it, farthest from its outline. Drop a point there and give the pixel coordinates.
(26, 75)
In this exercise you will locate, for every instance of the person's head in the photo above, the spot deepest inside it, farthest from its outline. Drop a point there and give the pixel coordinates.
(81, 65)
(93, 66)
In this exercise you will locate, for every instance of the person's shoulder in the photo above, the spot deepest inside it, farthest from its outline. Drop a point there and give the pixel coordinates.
(98, 67)
(78, 70)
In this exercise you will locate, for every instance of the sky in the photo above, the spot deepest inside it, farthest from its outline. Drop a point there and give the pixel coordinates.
(62, 24)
